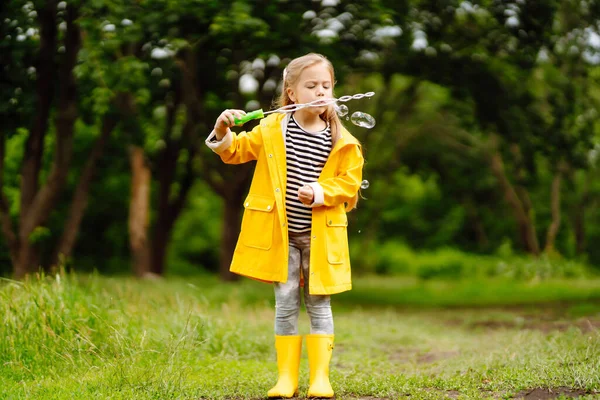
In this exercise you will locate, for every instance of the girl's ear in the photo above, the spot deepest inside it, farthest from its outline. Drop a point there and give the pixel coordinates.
(291, 94)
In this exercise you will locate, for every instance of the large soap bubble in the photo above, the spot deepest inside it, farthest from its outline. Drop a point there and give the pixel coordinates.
(363, 120)
(364, 184)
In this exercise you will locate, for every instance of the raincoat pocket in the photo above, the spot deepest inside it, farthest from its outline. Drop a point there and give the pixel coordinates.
(336, 236)
(257, 223)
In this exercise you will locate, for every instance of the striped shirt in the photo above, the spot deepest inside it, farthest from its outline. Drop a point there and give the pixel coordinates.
(306, 154)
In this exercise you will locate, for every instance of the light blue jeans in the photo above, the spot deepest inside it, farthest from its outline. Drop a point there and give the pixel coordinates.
(287, 295)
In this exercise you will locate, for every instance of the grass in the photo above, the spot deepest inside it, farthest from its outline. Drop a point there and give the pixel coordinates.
(95, 337)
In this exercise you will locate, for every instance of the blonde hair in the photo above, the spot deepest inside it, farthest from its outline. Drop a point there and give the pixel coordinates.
(291, 74)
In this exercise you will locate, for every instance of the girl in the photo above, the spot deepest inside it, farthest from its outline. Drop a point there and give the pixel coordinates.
(308, 173)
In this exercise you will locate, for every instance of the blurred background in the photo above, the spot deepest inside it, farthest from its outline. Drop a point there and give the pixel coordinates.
(483, 161)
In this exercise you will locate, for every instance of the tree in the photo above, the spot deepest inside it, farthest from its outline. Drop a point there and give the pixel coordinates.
(36, 203)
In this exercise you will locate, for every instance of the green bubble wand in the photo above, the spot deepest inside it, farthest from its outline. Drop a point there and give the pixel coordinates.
(294, 107)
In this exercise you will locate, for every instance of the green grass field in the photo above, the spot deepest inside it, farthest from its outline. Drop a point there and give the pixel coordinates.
(84, 337)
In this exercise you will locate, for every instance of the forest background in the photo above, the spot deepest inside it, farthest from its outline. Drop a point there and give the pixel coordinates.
(483, 162)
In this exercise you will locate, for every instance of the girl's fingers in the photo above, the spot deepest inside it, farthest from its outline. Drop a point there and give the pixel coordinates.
(239, 113)
(305, 195)
(227, 117)
(226, 120)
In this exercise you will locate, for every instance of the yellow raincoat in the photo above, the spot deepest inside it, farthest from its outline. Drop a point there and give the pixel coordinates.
(262, 248)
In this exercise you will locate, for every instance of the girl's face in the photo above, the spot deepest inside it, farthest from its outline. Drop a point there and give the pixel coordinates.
(314, 83)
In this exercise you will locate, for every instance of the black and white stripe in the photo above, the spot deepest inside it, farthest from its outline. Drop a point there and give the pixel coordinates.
(306, 154)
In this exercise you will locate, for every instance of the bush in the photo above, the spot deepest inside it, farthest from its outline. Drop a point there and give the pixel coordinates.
(395, 258)
(450, 270)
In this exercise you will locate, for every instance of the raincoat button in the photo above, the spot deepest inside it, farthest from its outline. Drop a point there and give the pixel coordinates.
(330, 222)
(277, 190)
(247, 204)
(270, 155)
(268, 207)
(283, 224)
(314, 237)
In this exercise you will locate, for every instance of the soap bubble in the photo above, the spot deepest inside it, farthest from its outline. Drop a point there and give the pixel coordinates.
(364, 184)
(362, 119)
(342, 110)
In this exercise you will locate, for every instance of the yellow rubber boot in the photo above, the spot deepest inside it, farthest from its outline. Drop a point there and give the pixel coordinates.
(288, 363)
(320, 348)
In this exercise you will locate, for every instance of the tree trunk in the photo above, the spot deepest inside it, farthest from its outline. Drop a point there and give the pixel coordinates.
(170, 204)
(34, 147)
(168, 213)
(521, 190)
(138, 212)
(160, 243)
(579, 216)
(166, 171)
(555, 206)
(476, 225)
(229, 235)
(526, 227)
(27, 259)
(579, 228)
(81, 196)
(36, 205)
(46, 70)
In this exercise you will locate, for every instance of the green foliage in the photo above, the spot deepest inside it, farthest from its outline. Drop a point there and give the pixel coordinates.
(394, 258)
(12, 164)
(39, 234)
(196, 235)
(238, 22)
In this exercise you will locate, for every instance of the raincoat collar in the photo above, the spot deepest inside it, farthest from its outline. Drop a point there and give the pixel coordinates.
(346, 137)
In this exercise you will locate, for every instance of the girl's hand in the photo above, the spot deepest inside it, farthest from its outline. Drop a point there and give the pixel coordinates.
(306, 195)
(225, 121)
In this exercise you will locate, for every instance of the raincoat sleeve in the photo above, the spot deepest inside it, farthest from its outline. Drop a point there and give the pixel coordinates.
(344, 186)
(237, 148)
